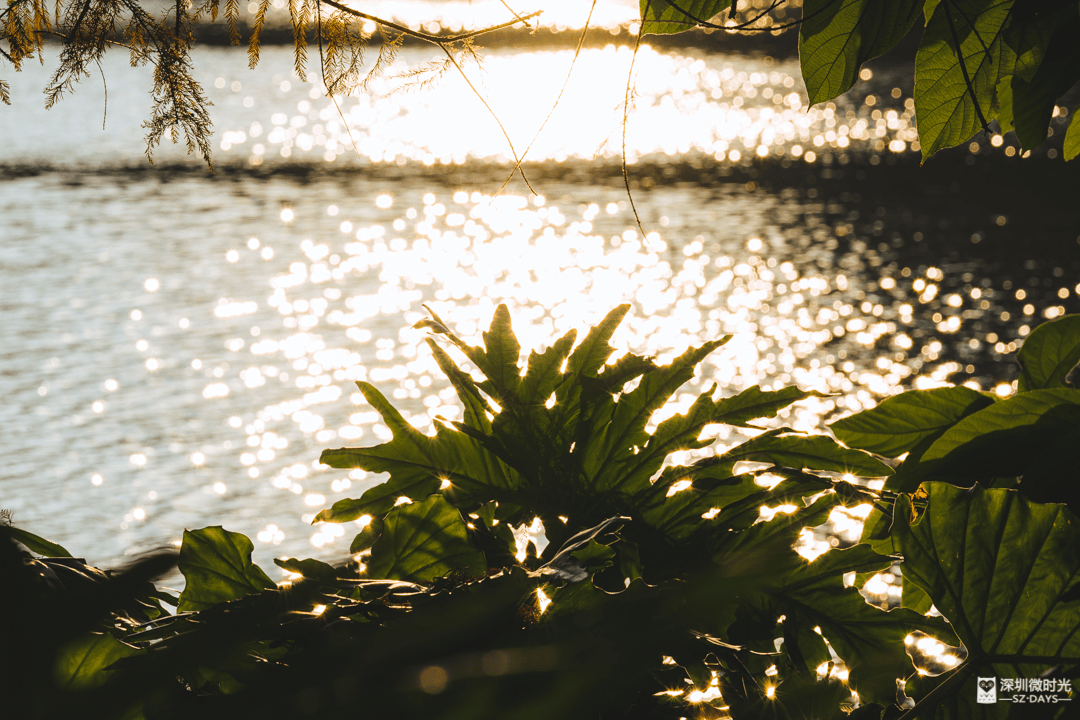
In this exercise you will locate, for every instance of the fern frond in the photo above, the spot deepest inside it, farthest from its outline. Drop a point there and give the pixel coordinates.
(210, 7)
(5, 93)
(346, 43)
(387, 54)
(298, 16)
(179, 106)
(255, 42)
(232, 16)
(91, 25)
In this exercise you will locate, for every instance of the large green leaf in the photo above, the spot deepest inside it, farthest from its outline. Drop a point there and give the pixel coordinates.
(900, 422)
(84, 663)
(1002, 437)
(944, 107)
(674, 16)
(1048, 354)
(836, 38)
(422, 541)
(1005, 572)
(218, 568)
(417, 464)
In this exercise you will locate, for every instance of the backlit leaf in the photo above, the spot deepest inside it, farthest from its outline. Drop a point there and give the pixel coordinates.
(838, 37)
(815, 452)
(218, 568)
(943, 104)
(674, 16)
(416, 462)
(1048, 354)
(422, 541)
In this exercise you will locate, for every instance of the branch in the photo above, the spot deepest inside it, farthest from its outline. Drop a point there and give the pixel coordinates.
(963, 67)
(436, 39)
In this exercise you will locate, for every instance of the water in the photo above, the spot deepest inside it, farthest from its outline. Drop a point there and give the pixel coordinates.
(178, 347)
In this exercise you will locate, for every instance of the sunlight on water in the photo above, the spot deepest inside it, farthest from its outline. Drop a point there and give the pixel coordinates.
(731, 109)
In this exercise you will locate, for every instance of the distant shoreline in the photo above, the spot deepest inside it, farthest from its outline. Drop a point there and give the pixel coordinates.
(782, 46)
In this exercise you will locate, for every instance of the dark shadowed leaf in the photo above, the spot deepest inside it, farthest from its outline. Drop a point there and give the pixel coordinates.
(899, 423)
(217, 565)
(1033, 100)
(1048, 354)
(1008, 431)
(310, 568)
(870, 641)
(84, 663)
(837, 37)
(422, 541)
(1012, 595)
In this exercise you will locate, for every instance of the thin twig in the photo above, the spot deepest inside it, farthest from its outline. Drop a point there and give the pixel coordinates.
(963, 67)
(105, 87)
(498, 122)
(626, 117)
(515, 13)
(577, 52)
(426, 36)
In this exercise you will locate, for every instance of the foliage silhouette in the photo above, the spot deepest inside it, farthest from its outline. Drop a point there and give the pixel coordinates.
(663, 591)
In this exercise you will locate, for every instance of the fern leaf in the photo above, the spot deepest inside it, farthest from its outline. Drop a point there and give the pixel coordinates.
(255, 42)
(298, 15)
(232, 16)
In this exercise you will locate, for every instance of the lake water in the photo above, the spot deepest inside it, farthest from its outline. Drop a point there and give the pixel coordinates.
(178, 347)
